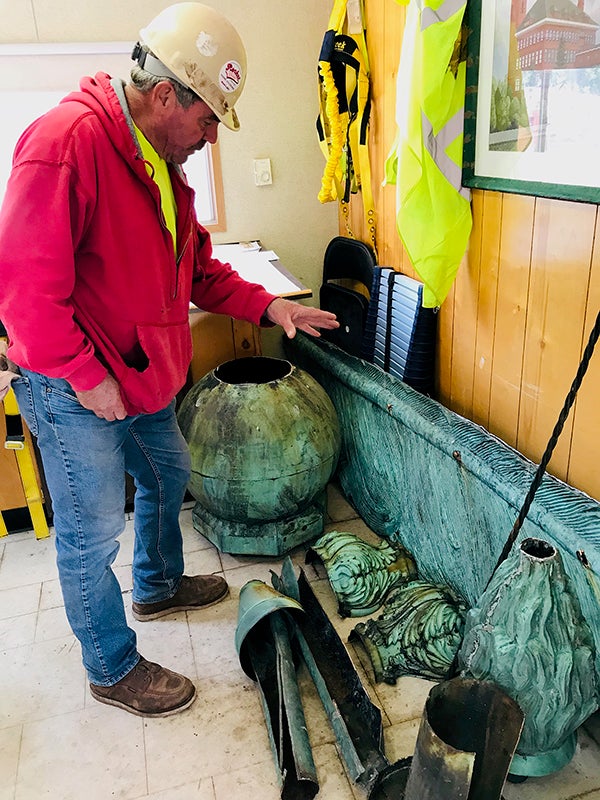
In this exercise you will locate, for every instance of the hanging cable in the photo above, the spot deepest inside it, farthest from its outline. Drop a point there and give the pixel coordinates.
(562, 418)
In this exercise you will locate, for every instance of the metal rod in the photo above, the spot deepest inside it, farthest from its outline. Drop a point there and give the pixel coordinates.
(562, 418)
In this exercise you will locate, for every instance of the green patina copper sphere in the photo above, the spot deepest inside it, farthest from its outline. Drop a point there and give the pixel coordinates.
(264, 441)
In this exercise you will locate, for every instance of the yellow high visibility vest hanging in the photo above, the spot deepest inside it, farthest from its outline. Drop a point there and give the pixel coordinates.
(433, 209)
(344, 108)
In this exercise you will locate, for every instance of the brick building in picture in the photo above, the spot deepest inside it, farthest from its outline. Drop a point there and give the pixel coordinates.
(553, 34)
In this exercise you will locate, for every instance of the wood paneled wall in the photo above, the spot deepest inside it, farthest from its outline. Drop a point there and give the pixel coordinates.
(514, 327)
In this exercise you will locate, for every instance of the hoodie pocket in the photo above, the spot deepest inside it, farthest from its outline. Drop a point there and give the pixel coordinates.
(168, 349)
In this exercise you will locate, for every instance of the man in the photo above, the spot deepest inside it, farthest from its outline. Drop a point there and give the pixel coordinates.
(100, 255)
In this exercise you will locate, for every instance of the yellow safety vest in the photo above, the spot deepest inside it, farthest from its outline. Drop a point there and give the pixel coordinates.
(344, 102)
(433, 209)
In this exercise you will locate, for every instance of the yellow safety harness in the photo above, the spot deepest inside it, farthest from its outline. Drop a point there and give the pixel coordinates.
(345, 103)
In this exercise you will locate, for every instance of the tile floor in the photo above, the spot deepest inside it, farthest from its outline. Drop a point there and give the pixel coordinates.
(56, 742)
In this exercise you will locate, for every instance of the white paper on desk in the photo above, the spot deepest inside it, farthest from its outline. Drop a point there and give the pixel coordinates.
(256, 267)
(227, 252)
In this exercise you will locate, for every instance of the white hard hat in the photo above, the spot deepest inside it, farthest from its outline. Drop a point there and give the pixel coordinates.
(197, 46)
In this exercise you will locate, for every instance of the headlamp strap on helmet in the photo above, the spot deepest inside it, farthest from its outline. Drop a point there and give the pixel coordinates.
(151, 64)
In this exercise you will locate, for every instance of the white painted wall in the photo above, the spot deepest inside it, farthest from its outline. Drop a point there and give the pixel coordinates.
(277, 111)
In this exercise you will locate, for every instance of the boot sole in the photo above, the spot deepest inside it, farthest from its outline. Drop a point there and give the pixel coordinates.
(174, 609)
(149, 714)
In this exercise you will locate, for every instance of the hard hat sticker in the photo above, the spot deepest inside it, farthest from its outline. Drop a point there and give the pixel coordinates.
(206, 44)
(230, 76)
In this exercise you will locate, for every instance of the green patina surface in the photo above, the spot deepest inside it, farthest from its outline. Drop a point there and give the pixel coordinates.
(264, 442)
(418, 633)
(444, 487)
(527, 634)
(362, 575)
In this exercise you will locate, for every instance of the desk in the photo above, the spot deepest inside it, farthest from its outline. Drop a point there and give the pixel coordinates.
(217, 338)
(256, 264)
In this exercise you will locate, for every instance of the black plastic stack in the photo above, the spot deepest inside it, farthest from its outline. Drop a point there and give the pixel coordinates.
(391, 329)
(400, 335)
(347, 277)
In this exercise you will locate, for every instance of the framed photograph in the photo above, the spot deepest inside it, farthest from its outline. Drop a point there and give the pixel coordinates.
(532, 110)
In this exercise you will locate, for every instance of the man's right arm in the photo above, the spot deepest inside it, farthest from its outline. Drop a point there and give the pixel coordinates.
(104, 400)
(42, 220)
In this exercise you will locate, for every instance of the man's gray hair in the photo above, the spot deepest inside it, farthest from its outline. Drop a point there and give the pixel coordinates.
(144, 81)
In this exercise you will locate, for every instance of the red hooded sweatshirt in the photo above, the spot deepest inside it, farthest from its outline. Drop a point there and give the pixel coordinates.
(89, 280)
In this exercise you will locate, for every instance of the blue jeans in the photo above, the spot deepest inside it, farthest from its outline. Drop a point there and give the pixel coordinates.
(85, 459)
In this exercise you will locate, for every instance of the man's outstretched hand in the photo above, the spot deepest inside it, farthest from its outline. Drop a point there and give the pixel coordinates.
(293, 316)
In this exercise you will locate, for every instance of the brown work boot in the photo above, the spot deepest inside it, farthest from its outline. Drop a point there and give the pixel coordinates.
(149, 690)
(197, 591)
